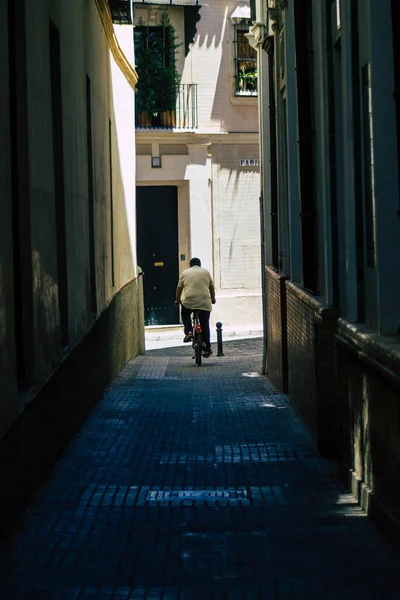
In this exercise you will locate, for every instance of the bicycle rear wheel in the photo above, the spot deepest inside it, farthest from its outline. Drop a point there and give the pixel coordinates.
(199, 347)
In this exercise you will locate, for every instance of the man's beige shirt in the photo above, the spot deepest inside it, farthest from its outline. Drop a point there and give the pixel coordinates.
(195, 283)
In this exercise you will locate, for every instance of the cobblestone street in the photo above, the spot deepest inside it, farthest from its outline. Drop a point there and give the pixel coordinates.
(195, 483)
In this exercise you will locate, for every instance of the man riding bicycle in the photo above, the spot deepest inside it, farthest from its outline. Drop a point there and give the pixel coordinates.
(195, 291)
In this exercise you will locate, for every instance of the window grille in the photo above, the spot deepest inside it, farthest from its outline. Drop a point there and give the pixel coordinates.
(245, 62)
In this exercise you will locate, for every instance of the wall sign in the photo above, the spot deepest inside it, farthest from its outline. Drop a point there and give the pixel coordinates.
(249, 162)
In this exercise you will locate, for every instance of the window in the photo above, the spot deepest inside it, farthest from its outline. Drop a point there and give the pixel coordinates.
(306, 143)
(245, 61)
(368, 143)
(158, 86)
(153, 51)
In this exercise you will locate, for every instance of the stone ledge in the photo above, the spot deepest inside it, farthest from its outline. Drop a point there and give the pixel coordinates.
(272, 272)
(315, 302)
(380, 352)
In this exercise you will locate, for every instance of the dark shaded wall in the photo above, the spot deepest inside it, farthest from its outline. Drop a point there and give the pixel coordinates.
(38, 437)
(340, 306)
(367, 423)
(71, 309)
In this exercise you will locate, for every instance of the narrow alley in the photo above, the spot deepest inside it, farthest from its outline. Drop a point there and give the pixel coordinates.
(190, 482)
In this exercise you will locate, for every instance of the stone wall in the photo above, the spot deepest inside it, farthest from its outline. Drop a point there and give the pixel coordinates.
(368, 421)
(310, 328)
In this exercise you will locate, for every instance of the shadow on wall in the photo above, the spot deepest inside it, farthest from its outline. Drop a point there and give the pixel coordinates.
(191, 17)
(236, 199)
(204, 39)
(238, 203)
(222, 84)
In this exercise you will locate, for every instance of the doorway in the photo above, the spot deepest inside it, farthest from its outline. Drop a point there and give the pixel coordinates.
(157, 247)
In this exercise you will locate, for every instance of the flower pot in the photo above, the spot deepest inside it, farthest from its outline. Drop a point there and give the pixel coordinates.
(144, 119)
(168, 118)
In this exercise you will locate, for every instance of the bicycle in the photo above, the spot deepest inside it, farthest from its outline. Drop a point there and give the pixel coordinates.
(197, 341)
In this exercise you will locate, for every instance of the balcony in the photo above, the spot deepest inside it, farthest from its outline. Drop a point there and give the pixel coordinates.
(161, 107)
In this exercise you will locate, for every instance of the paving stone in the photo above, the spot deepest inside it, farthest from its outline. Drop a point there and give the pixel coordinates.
(195, 483)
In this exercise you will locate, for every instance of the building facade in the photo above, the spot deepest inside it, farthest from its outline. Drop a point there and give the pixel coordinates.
(329, 107)
(70, 309)
(197, 155)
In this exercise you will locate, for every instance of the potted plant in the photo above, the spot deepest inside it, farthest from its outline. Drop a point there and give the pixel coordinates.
(155, 51)
(246, 79)
(147, 62)
(146, 107)
(169, 78)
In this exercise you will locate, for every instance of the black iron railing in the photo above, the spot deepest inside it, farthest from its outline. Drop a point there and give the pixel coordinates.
(245, 62)
(162, 107)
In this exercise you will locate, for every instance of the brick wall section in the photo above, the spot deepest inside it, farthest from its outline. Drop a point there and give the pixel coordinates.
(367, 387)
(276, 328)
(310, 330)
(325, 329)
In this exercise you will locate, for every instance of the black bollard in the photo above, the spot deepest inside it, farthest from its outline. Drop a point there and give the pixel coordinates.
(219, 339)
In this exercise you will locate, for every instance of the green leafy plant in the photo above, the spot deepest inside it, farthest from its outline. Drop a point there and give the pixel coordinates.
(155, 51)
(246, 79)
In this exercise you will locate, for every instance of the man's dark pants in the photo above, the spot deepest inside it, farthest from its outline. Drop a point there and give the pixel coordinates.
(204, 318)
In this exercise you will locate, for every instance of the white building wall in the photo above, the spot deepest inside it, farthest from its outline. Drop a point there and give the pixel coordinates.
(222, 225)
(123, 118)
(236, 235)
(198, 173)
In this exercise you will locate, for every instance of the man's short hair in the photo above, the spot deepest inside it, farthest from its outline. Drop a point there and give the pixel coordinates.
(195, 262)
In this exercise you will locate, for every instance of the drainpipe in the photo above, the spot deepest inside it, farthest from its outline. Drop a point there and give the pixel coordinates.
(263, 286)
(256, 37)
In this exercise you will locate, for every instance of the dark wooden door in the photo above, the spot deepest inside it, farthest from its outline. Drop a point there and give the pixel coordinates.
(157, 246)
